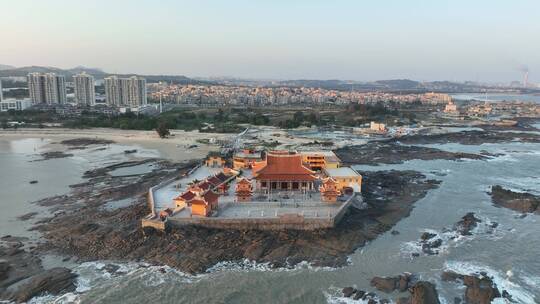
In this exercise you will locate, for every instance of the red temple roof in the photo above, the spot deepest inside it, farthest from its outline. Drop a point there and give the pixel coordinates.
(210, 196)
(188, 195)
(285, 167)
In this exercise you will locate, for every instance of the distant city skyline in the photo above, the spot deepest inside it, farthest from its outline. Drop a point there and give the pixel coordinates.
(486, 41)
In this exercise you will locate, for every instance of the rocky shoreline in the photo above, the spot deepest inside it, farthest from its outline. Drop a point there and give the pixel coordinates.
(22, 276)
(468, 138)
(82, 228)
(387, 152)
(519, 201)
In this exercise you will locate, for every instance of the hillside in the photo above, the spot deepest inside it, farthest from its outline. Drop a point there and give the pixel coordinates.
(97, 73)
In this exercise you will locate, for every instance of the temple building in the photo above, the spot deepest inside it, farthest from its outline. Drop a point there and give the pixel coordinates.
(200, 207)
(215, 161)
(284, 171)
(246, 158)
(329, 192)
(244, 190)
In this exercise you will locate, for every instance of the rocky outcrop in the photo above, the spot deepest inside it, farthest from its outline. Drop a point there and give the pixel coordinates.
(521, 202)
(424, 293)
(385, 152)
(389, 284)
(22, 277)
(83, 142)
(52, 281)
(469, 138)
(467, 224)
(421, 292)
(480, 288)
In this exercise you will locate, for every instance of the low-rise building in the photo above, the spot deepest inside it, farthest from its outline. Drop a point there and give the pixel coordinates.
(318, 160)
(214, 161)
(345, 177)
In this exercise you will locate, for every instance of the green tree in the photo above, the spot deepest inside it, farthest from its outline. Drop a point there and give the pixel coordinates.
(162, 130)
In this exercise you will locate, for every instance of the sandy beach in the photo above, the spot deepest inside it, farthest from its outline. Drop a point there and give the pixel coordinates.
(174, 148)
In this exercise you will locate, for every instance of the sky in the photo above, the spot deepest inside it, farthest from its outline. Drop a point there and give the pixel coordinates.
(456, 40)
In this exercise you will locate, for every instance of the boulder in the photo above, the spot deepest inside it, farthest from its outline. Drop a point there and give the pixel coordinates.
(348, 291)
(480, 290)
(427, 236)
(467, 224)
(424, 293)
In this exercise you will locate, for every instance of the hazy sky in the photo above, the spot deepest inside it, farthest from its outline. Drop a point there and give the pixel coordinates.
(485, 40)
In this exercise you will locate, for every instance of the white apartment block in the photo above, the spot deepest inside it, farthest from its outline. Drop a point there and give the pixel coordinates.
(125, 92)
(84, 89)
(15, 104)
(47, 88)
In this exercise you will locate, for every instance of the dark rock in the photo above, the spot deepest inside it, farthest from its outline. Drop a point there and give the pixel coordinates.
(457, 300)
(111, 268)
(424, 293)
(427, 236)
(467, 224)
(53, 281)
(435, 244)
(359, 294)
(4, 270)
(394, 232)
(348, 291)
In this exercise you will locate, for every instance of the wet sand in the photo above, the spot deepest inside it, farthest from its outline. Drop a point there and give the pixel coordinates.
(175, 148)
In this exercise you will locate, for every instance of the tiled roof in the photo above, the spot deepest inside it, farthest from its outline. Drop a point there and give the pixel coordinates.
(188, 195)
(285, 167)
(210, 196)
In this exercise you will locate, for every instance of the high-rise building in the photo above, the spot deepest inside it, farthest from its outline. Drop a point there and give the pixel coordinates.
(125, 92)
(84, 89)
(47, 88)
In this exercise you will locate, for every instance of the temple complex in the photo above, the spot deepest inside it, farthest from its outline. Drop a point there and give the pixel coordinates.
(268, 190)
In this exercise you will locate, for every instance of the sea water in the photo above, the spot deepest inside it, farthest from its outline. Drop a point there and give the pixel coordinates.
(508, 252)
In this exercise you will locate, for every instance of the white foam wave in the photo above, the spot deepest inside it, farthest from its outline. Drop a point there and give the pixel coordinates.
(248, 265)
(503, 282)
(451, 238)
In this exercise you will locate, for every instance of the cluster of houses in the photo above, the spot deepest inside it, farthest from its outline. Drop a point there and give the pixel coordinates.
(268, 173)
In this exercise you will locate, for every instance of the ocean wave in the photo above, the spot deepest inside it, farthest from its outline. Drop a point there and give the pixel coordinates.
(503, 281)
(451, 238)
(248, 265)
(334, 297)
